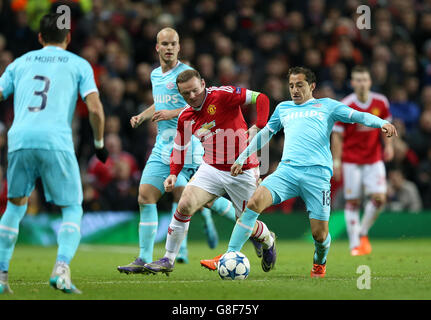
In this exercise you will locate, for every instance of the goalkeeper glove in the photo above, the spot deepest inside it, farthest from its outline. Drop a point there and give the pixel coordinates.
(101, 152)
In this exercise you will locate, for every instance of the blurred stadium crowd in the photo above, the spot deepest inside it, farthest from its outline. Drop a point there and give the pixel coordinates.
(248, 43)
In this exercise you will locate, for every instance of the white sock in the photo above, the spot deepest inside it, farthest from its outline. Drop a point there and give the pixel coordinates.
(263, 235)
(351, 216)
(177, 231)
(371, 212)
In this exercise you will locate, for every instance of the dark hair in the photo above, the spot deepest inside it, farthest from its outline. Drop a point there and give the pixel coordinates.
(49, 29)
(310, 77)
(187, 75)
(360, 69)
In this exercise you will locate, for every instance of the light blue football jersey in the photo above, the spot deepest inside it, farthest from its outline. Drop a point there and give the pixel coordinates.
(308, 126)
(166, 96)
(45, 84)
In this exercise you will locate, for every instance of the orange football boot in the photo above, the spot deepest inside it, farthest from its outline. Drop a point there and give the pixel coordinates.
(365, 245)
(318, 271)
(211, 264)
(356, 251)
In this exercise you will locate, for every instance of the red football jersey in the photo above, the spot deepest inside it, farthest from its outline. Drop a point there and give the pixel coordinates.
(361, 144)
(219, 125)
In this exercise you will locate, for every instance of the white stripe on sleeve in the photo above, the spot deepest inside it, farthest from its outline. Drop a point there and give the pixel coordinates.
(337, 128)
(181, 148)
(248, 95)
(88, 92)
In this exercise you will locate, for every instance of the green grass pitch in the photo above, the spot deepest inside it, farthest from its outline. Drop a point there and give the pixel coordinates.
(399, 270)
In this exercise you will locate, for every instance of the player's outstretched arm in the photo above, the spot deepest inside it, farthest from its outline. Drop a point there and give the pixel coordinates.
(97, 122)
(262, 110)
(344, 113)
(337, 150)
(370, 120)
(181, 143)
(148, 113)
(260, 140)
(166, 114)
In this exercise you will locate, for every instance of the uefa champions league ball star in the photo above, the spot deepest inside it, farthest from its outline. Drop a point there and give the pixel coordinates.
(233, 266)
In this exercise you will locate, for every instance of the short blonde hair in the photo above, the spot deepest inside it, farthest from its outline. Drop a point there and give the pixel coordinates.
(167, 29)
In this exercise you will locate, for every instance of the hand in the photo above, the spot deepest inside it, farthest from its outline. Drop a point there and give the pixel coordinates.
(390, 130)
(135, 121)
(236, 169)
(388, 153)
(102, 154)
(163, 115)
(170, 183)
(252, 131)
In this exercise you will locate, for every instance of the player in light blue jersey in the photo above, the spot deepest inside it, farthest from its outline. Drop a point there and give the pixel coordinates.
(305, 169)
(168, 103)
(45, 84)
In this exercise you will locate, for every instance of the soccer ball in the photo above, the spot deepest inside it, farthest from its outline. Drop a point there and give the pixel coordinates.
(233, 266)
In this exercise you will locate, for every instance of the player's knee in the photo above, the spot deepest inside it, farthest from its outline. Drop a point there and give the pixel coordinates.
(352, 204)
(142, 199)
(320, 235)
(146, 198)
(260, 200)
(185, 206)
(255, 204)
(379, 200)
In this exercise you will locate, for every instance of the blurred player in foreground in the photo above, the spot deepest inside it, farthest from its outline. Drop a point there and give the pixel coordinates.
(359, 149)
(214, 116)
(45, 84)
(305, 169)
(168, 103)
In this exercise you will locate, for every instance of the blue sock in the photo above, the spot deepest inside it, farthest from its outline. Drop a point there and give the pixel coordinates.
(69, 234)
(147, 231)
(223, 207)
(321, 250)
(206, 214)
(242, 230)
(183, 248)
(9, 226)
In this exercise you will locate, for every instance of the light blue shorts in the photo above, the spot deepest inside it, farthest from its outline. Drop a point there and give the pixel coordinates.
(312, 184)
(58, 170)
(156, 172)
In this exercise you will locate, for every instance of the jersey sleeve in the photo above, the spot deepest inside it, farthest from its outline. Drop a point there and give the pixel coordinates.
(243, 96)
(87, 83)
(342, 113)
(234, 96)
(338, 127)
(6, 81)
(345, 114)
(274, 124)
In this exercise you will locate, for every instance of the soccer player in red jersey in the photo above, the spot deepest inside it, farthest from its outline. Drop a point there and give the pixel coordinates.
(360, 151)
(214, 116)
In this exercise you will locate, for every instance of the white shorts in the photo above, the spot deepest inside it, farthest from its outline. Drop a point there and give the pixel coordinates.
(371, 176)
(218, 182)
